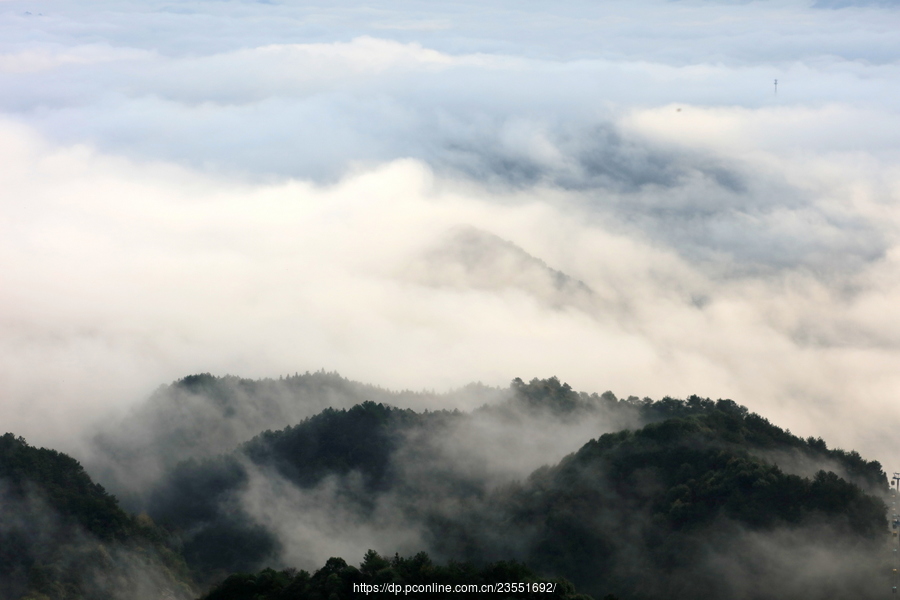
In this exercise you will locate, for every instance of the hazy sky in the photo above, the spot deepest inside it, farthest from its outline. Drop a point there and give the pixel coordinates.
(389, 190)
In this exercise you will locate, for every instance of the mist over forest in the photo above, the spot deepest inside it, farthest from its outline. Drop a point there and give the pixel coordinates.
(269, 268)
(204, 491)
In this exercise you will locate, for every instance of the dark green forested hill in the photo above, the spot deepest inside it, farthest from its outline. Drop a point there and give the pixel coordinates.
(703, 499)
(197, 496)
(674, 499)
(399, 576)
(62, 537)
(201, 416)
(682, 508)
(363, 439)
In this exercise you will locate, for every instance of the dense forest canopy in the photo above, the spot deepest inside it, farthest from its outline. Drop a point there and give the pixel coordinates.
(63, 537)
(711, 499)
(407, 576)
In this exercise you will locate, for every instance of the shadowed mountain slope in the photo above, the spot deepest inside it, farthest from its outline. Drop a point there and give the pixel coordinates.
(62, 537)
(702, 488)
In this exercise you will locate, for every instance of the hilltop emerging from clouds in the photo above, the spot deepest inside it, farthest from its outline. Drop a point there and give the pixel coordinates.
(423, 194)
(232, 492)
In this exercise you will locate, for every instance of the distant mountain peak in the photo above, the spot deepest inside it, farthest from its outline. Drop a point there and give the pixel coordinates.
(470, 258)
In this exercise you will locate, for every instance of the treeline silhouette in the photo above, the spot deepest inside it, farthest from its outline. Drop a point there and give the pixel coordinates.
(702, 499)
(62, 536)
(337, 580)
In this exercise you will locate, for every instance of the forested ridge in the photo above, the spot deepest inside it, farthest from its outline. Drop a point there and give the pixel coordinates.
(63, 537)
(666, 498)
(336, 581)
(679, 499)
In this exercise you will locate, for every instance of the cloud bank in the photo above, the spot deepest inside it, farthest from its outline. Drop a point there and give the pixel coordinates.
(420, 195)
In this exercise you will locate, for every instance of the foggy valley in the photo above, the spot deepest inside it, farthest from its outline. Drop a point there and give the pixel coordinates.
(594, 299)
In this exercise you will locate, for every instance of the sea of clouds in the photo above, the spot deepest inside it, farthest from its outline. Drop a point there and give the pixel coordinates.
(424, 194)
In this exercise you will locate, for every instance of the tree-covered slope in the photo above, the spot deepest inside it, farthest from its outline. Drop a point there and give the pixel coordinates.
(201, 499)
(63, 537)
(669, 499)
(660, 512)
(754, 433)
(201, 416)
(415, 576)
(702, 484)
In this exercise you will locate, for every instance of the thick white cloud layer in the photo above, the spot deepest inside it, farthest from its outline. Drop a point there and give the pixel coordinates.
(386, 190)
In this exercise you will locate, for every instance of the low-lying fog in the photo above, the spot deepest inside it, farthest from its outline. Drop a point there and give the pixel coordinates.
(423, 195)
